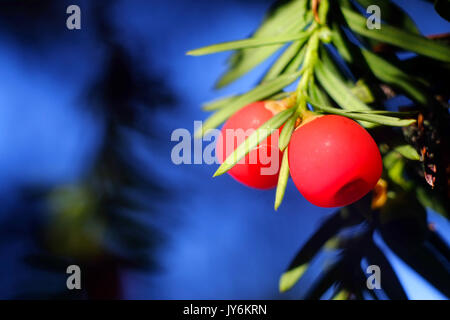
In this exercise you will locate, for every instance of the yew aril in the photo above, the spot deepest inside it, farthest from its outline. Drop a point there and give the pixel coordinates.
(250, 170)
(333, 161)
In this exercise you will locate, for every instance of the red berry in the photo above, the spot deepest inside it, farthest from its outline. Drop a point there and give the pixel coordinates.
(254, 170)
(333, 161)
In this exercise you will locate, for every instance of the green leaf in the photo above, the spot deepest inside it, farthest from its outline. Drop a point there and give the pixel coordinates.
(344, 97)
(252, 141)
(286, 132)
(342, 295)
(327, 61)
(366, 117)
(281, 95)
(226, 101)
(432, 200)
(397, 37)
(390, 74)
(218, 103)
(383, 70)
(260, 92)
(362, 92)
(279, 66)
(390, 159)
(333, 243)
(318, 95)
(408, 152)
(387, 113)
(297, 61)
(395, 166)
(343, 47)
(323, 11)
(248, 43)
(320, 98)
(337, 89)
(290, 278)
(245, 60)
(246, 65)
(276, 20)
(282, 180)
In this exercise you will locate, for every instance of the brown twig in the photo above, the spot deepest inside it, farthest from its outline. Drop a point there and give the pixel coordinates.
(315, 4)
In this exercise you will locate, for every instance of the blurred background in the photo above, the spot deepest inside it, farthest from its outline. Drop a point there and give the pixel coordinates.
(86, 175)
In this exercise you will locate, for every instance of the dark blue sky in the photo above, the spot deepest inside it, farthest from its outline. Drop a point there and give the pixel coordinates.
(224, 240)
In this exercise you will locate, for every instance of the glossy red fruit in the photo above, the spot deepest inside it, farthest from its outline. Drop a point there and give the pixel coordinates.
(333, 161)
(254, 170)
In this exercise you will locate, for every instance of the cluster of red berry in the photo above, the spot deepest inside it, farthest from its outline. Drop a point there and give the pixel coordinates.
(333, 161)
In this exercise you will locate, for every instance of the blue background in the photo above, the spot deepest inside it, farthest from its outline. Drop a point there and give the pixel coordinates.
(223, 240)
